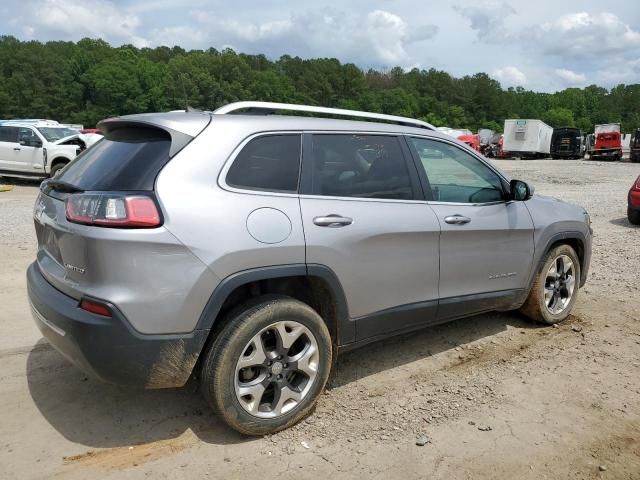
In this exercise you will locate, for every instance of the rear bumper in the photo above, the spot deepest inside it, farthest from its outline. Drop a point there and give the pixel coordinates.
(109, 348)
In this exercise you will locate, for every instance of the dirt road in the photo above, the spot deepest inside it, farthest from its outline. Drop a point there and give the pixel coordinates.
(495, 396)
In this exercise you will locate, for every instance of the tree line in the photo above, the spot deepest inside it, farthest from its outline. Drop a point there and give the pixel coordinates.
(86, 81)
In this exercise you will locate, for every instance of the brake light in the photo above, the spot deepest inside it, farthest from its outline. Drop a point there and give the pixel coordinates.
(113, 210)
(95, 307)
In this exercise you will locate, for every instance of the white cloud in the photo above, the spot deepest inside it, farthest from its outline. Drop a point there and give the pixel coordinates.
(74, 19)
(246, 31)
(387, 32)
(570, 77)
(487, 19)
(619, 69)
(586, 35)
(378, 37)
(510, 76)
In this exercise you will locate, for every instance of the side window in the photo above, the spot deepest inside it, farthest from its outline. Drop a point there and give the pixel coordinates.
(9, 134)
(26, 134)
(456, 176)
(365, 166)
(268, 163)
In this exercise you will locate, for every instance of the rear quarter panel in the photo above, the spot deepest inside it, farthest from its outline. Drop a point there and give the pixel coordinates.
(212, 221)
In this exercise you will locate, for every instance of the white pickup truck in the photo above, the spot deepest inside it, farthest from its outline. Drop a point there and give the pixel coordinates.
(39, 149)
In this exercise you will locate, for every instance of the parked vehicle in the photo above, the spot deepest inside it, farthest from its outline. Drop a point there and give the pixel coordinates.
(567, 143)
(633, 207)
(625, 141)
(486, 135)
(634, 146)
(527, 138)
(36, 149)
(608, 145)
(454, 132)
(251, 249)
(472, 140)
(589, 142)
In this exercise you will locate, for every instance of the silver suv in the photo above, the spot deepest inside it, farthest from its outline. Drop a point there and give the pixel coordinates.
(247, 249)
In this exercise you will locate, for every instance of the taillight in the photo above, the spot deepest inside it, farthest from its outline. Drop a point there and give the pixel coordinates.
(95, 307)
(113, 210)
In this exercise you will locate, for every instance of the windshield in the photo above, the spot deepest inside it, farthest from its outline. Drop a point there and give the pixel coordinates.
(53, 134)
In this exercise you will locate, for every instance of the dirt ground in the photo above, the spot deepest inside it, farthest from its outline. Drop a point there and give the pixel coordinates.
(495, 396)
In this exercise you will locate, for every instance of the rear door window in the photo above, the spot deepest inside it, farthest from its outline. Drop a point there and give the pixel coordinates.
(355, 165)
(9, 134)
(270, 163)
(126, 159)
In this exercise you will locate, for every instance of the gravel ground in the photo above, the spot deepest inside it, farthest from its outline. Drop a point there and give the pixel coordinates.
(488, 397)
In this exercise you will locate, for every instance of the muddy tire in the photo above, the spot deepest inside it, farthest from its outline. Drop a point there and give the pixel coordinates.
(267, 367)
(555, 289)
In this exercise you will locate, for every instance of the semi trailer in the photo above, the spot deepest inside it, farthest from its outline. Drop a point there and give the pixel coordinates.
(527, 138)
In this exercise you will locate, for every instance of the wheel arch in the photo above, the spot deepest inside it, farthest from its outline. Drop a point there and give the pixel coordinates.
(59, 160)
(316, 285)
(576, 240)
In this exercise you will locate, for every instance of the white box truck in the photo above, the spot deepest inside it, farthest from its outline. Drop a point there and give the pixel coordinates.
(527, 138)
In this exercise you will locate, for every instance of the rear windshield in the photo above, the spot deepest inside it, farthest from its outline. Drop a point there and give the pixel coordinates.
(126, 159)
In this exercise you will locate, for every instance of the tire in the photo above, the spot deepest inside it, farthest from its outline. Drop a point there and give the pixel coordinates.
(55, 170)
(255, 331)
(633, 216)
(550, 302)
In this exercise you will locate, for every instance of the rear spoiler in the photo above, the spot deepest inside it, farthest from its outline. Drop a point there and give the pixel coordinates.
(181, 127)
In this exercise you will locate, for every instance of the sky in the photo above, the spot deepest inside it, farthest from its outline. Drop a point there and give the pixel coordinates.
(542, 45)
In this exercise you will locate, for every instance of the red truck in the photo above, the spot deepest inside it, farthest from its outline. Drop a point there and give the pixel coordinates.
(608, 144)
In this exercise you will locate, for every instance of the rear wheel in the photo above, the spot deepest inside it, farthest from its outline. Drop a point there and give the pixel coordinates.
(633, 216)
(268, 365)
(555, 288)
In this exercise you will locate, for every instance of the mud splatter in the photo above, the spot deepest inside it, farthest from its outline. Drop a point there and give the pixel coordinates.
(173, 367)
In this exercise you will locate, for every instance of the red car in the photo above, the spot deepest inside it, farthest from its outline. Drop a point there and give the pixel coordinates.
(633, 210)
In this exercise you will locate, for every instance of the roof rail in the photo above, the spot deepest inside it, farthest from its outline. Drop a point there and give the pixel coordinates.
(269, 107)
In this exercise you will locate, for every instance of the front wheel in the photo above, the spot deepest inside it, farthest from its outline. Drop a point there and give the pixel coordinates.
(55, 170)
(268, 365)
(555, 288)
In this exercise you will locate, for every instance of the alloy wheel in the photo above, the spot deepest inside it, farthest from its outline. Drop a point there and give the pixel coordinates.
(276, 369)
(559, 285)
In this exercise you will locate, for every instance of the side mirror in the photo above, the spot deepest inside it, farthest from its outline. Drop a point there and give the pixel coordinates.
(520, 191)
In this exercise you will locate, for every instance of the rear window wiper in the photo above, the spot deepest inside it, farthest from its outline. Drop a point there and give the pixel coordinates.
(59, 186)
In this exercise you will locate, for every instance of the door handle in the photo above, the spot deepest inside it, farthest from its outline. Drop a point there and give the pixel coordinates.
(333, 221)
(17, 148)
(457, 219)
